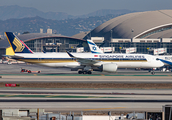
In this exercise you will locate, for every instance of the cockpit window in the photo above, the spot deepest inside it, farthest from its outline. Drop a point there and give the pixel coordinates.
(157, 58)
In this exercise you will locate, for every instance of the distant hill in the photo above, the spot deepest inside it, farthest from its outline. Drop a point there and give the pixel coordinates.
(23, 19)
(68, 27)
(105, 12)
(15, 11)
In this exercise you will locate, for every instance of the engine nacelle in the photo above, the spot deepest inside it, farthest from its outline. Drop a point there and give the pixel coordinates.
(109, 67)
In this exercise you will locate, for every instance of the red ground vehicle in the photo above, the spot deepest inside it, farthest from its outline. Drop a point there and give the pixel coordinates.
(29, 71)
(24, 70)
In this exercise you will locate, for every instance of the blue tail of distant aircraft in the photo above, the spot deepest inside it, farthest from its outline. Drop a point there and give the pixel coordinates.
(17, 45)
(93, 47)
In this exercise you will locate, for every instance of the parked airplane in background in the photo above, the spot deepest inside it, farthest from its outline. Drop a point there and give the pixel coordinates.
(93, 47)
(84, 62)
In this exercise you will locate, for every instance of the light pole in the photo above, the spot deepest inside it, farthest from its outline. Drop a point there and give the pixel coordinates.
(111, 35)
(90, 35)
(111, 40)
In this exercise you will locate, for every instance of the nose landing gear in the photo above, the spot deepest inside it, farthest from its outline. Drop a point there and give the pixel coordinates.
(153, 72)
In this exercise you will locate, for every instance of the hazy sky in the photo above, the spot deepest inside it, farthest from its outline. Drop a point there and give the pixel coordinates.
(79, 7)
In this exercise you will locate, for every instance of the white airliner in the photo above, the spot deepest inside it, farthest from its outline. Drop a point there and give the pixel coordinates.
(166, 59)
(84, 62)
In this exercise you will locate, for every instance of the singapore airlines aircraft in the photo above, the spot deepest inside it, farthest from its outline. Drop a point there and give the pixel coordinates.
(166, 59)
(84, 62)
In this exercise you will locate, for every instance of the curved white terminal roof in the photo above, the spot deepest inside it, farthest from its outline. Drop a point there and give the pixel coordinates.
(149, 24)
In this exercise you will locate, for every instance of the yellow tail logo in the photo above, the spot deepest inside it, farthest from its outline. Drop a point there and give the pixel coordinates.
(18, 44)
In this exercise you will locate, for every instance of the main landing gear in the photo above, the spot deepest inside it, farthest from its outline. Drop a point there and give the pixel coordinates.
(84, 72)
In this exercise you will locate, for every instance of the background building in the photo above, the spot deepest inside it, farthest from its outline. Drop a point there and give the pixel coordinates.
(149, 24)
(143, 30)
(39, 42)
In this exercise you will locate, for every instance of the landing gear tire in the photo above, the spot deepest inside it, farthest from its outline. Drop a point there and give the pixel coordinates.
(80, 72)
(89, 72)
(84, 72)
(152, 72)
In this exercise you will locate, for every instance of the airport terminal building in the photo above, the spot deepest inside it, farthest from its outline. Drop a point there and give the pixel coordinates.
(141, 30)
(43, 42)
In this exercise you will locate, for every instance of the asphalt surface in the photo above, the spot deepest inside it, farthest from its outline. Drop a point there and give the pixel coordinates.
(16, 68)
(83, 99)
(31, 78)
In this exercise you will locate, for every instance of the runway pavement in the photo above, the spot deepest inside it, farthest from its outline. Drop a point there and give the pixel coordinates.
(85, 79)
(85, 99)
(82, 99)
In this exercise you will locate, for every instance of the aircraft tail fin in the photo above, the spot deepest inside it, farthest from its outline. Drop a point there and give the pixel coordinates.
(93, 47)
(17, 45)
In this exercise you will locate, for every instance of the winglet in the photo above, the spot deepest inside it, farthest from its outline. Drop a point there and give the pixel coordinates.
(17, 45)
(93, 47)
(69, 54)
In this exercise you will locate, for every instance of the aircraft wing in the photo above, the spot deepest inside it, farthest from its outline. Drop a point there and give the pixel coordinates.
(83, 61)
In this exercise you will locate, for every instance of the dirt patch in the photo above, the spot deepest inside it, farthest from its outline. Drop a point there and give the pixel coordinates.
(96, 85)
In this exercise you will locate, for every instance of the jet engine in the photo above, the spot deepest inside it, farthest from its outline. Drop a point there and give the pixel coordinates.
(109, 67)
